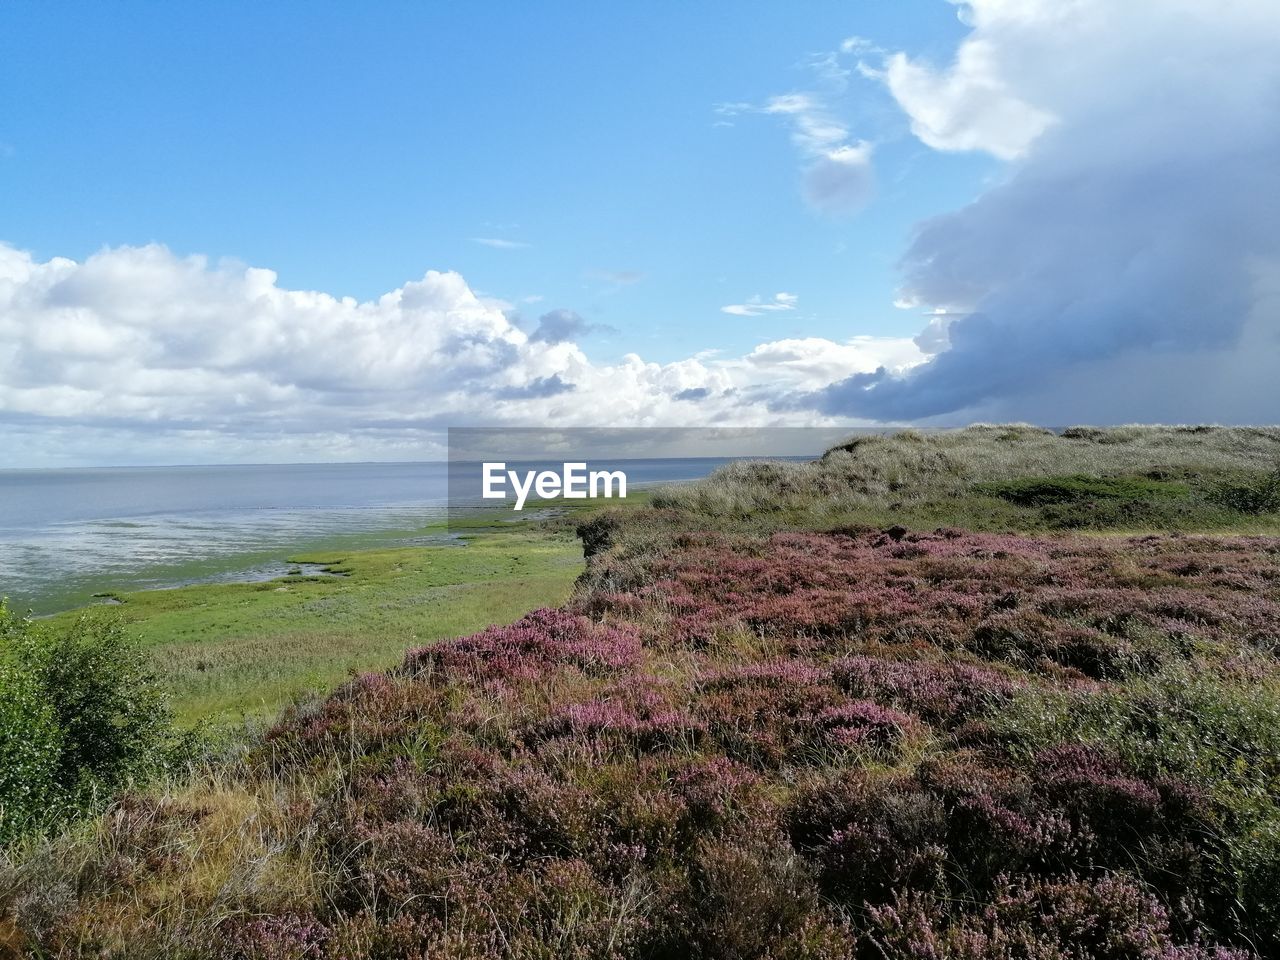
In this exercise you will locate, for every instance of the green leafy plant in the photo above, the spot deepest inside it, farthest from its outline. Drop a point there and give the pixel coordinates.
(81, 715)
(29, 748)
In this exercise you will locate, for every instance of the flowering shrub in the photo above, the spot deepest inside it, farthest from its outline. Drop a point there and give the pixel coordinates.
(524, 650)
(940, 692)
(638, 716)
(732, 738)
(1084, 608)
(881, 744)
(274, 937)
(864, 723)
(1068, 919)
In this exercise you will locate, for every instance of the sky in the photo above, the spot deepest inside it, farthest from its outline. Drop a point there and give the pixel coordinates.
(327, 231)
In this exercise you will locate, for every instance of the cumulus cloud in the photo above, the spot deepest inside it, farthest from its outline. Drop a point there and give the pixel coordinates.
(966, 107)
(757, 305)
(693, 393)
(1125, 265)
(138, 354)
(800, 361)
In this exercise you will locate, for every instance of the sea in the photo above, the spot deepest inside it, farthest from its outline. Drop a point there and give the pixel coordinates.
(75, 536)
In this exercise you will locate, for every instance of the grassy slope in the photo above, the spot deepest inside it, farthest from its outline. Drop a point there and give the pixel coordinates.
(947, 479)
(233, 652)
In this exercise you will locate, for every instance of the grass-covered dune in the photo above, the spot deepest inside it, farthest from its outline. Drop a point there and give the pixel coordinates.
(990, 693)
(1009, 477)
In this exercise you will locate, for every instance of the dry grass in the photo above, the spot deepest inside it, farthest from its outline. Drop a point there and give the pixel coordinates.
(920, 478)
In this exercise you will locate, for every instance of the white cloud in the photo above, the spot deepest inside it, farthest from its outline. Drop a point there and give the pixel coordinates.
(856, 44)
(840, 181)
(136, 354)
(837, 176)
(966, 107)
(757, 305)
(830, 69)
(808, 359)
(498, 243)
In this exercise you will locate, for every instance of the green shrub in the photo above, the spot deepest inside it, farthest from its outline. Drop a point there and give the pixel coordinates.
(81, 715)
(30, 746)
(1220, 735)
(1046, 491)
(1082, 502)
(1252, 496)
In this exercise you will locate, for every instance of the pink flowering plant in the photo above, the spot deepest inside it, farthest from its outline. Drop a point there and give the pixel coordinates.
(804, 745)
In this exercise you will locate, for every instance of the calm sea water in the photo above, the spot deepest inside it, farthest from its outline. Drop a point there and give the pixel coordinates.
(68, 534)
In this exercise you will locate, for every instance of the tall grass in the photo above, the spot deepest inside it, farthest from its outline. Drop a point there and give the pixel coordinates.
(919, 477)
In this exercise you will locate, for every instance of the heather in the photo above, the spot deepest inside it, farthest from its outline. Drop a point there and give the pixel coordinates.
(865, 744)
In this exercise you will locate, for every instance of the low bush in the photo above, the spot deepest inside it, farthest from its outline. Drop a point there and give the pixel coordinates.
(1220, 737)
(1254, 495)
(81, 715)
(30, 747)
(1068, 919)
(1042, 491)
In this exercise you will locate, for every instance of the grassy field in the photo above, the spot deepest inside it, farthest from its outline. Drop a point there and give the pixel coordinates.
(231, 653)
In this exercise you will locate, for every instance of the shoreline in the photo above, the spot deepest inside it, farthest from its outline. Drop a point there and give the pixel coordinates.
(234, 652)
(85, 577)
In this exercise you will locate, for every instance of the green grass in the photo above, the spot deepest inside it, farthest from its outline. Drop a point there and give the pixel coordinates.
(232, 653)
(1083, 502)
(1042, 491)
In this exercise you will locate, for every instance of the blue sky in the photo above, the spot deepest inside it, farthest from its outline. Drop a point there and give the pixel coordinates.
(328, 231)
(352, 147)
